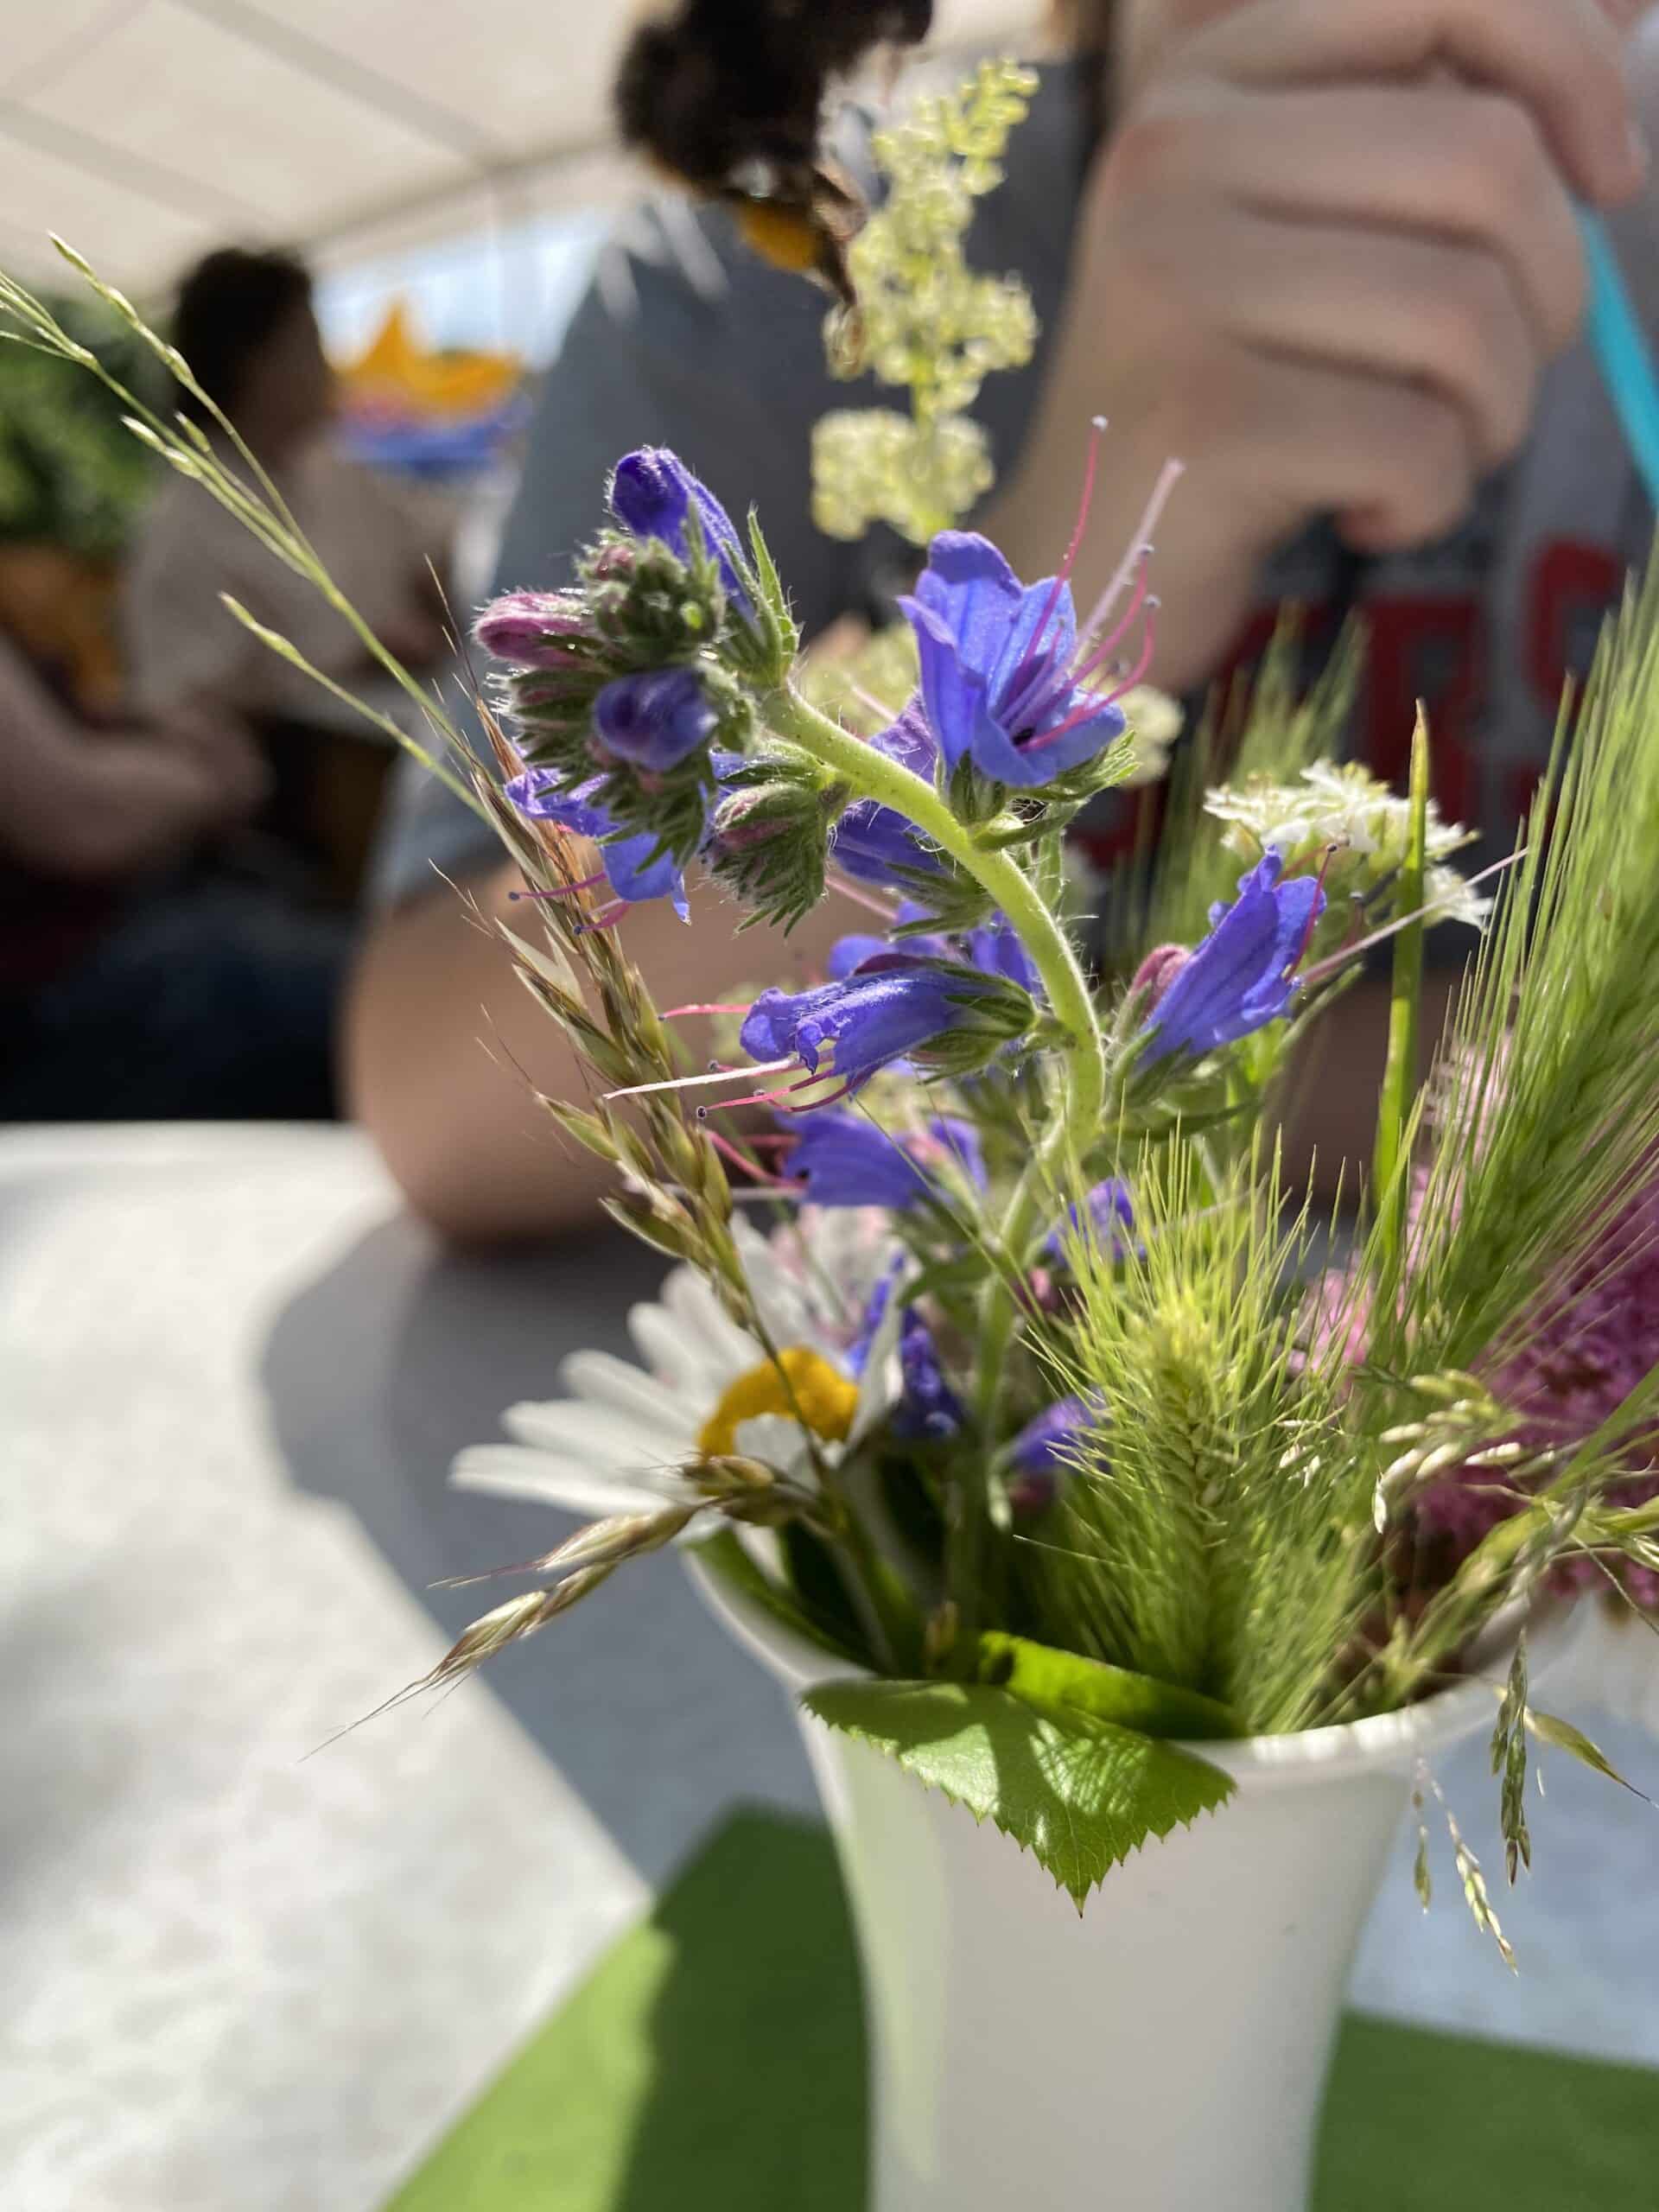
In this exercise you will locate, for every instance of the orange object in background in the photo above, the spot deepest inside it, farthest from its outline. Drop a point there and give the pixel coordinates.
(397, 373)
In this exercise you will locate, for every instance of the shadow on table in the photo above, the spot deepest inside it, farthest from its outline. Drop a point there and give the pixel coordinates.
(712, 2063)
(377, 1373)
(754, 2097)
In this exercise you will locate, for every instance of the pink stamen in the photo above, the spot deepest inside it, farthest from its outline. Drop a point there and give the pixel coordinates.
(730, 1152)
(1137, 675)
(1169, 478)
(1347, 952)
(861, 898)
(781, 1097)
(871, 704)
(673, 1013)
(830, 1098)
(751, 1098)
(1098, 701)
(563, 890)
(1316, 912)
(1096, 431)
(695, 1082)
(1119, 631)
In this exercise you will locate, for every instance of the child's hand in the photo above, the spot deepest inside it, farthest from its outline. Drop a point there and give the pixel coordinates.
(1331, 248)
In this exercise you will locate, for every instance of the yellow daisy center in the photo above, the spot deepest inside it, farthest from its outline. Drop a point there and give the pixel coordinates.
(800, 1384)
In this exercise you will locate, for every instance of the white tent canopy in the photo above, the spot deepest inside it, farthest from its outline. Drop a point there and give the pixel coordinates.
(147, 131)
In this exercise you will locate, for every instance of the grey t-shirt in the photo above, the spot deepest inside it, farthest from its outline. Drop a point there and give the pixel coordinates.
(685, 340)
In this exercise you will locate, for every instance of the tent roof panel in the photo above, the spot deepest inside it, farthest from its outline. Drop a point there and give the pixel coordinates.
(146, 129)
(244, 129)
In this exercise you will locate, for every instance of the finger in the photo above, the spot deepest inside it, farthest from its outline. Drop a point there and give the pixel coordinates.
(1393, 459)
(1386, 302)
(1436, 159)
(1563, 59)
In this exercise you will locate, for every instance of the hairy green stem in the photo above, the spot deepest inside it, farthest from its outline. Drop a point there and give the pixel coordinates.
(872, 775)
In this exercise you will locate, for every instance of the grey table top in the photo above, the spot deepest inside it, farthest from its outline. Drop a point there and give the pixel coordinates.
(233, 1375)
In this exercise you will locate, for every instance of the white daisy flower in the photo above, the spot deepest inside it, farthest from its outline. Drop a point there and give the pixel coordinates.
(616, 1444)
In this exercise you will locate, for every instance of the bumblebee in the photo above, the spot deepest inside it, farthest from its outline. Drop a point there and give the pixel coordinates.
(728, 97)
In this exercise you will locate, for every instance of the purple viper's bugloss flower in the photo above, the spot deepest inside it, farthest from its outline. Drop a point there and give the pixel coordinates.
(929, 1410)
(949, 1140)
(999, 666)
(1044, 1452)
(654, 721)
(887, 1010)
(996, 949)
(876, 843)
(633, 866)
(875, 1313)
(999, 949)
(849, 954)
(1104, 1215)
(653, 494)
(1242, 976)
(844, 1160)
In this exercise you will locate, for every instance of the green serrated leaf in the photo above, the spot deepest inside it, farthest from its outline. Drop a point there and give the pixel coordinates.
(1562, 1736)
(1063, 1684)
(1080, 1795)
(730, 1564)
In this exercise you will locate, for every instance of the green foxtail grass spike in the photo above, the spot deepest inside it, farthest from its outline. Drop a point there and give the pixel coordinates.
(1390, 1158)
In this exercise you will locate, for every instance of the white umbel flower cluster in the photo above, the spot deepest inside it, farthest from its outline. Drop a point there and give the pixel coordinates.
(1341, 809)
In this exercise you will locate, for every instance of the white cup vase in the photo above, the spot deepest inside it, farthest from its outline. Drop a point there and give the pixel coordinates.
(1166, 2049)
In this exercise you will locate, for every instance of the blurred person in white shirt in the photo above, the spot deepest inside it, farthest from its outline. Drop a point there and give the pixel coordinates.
(245, 323)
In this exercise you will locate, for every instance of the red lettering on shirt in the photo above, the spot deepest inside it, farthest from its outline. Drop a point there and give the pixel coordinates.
(1570, 588)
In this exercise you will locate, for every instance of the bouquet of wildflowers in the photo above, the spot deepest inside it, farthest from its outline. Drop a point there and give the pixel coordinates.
(1001, 1357)
(998, 1359)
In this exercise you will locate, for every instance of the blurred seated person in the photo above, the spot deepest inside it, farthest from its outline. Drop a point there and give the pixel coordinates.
(246, 324)
(137, 983)
(1325, 254)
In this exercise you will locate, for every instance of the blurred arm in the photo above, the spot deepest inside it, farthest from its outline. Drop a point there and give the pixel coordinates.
(95, 808)
(442, 1043)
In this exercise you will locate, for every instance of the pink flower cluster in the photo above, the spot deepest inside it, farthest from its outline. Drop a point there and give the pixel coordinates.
(1596, 1337)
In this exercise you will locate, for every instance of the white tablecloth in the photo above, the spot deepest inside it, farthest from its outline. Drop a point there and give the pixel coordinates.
(244, 1969)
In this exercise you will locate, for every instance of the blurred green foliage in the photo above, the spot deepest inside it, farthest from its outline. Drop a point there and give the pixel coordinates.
(70, 473)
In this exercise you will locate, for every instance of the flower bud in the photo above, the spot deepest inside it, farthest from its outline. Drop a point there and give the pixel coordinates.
(614, 562)
(534, 629)
(768, 842)
(654, 721)
(1157, 972)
